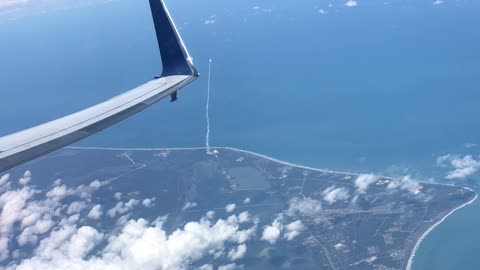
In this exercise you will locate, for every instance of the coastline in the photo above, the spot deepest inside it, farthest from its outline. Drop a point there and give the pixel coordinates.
(245, 152)
(426, 233)
(219, 147)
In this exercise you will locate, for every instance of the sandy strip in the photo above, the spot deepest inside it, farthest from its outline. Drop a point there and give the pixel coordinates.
(287, 163)
(218, 148)
(245, 152)
(417, 245)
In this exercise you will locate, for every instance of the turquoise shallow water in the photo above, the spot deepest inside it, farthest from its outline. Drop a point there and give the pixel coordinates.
(382, 88)
(452, 244)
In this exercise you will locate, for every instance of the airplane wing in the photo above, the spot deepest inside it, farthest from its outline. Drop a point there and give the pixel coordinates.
(178, 71)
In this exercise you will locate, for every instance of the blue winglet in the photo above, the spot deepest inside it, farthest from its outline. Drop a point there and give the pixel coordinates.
(175, 57)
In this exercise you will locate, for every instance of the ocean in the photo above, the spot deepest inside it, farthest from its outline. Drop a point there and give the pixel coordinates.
(381, 87)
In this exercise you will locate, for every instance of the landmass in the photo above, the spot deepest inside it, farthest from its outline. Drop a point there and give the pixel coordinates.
(325, 219)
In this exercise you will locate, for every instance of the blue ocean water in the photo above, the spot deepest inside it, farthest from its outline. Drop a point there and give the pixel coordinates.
(380, 87)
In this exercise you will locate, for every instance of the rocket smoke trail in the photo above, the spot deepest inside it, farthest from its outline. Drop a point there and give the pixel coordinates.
(207, 113)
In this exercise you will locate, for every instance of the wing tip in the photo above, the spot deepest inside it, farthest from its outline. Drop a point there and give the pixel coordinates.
(175, 57)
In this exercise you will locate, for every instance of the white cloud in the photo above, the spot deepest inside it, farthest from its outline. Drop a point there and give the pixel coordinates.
(333, 194)
(59, 192)
(4, 179)
(27, 218)
(72, 219)
(244, 217)
(61, 244)
(441, 160)
(63, 249)
(138, 245)
(231, 266)
(363, 181)
(148, 202)
(438, 2)
(51, 244)
(462, 166)
(82, 242)
(207, 22)
(30, 234)
(305, 206)
(232, 219)
(211, 19)
(405, 183)
(293, 230)
(259, 9)
(76, 207)
(272, 232)
(122, 207)
(85, 192)
(210, 214)
(351, 3)
(247, 200)
(245, 235)
(189, 205)
(118, 196)
(59, 241)
(4, 252)
(470, 145)
(95, 185)
(12, 204)
(322, 11)
(27, 176)
(96, 212)
(162, 154)
(230, 208)
(238, 252)
(132, 203)
(206, 267)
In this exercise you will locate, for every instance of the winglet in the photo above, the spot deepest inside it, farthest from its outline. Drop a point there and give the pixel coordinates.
(175, 57)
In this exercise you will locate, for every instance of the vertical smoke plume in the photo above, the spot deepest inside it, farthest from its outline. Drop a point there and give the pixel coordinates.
(207, 113)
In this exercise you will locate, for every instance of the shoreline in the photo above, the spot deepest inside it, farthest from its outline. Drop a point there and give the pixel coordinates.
(427, 232)
(245, 152)
(219, 147)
